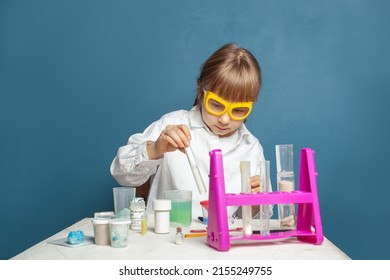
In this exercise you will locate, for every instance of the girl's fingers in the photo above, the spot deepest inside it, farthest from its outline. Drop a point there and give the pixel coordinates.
(186, 131)
(255, 181)
(179, 134)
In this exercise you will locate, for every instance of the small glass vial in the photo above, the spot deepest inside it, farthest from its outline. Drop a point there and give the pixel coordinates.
(137, 208)
(179, 236)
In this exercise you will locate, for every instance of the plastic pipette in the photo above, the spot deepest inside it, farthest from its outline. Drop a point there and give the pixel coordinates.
(245, 168)
(195, 170)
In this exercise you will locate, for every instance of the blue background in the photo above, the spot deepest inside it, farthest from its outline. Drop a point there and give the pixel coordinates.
(77, 78)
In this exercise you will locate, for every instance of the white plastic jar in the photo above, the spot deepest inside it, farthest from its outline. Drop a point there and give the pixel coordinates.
(162, 208)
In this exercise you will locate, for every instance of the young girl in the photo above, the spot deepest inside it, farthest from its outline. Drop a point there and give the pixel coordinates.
(228, 85)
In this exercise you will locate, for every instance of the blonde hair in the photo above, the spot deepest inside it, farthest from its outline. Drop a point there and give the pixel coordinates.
(231, 72)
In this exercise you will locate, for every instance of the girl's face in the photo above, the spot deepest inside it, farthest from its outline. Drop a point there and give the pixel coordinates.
(223, 125)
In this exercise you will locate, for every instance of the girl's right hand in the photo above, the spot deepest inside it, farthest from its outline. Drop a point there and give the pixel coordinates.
(172, 138)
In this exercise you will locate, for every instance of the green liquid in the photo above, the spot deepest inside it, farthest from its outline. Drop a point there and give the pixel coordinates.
(181, 212)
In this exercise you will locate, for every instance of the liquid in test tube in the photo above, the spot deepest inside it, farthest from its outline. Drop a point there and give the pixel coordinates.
(265, 186)
(195, 170)
(245, 168)
(286, 183)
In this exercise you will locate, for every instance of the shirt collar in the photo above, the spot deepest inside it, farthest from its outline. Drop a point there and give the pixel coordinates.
(196, 118)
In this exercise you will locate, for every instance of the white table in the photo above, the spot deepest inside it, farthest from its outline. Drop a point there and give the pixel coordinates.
(154, 246)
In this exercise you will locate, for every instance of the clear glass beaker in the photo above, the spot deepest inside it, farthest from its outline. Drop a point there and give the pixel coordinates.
(181, 212)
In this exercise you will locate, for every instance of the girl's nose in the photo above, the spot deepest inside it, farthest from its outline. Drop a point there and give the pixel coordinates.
(224, 119)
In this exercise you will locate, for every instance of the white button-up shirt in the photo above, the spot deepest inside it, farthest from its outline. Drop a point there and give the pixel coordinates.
(132, 166)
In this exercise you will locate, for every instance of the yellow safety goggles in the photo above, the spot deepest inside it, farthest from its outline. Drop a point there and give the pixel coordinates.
(217, 106)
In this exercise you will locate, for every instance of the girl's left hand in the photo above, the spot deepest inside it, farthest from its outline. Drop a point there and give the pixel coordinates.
(255, 183)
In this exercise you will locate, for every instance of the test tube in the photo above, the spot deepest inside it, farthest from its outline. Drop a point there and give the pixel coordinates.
(265, 186)
(286, 183)
(245, 168)
(195, 170)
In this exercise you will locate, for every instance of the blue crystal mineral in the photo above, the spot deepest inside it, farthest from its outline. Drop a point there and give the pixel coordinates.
(76, 237)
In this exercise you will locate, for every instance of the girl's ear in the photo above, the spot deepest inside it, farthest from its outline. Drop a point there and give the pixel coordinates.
(200, 94)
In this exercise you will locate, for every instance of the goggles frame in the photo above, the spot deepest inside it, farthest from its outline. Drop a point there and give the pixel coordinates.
(228, 106)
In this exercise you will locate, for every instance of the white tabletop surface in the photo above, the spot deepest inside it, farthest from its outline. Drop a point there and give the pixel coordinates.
(161, 246)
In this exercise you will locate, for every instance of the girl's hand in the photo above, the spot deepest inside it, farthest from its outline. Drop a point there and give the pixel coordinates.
(172, 138)
(255, 183)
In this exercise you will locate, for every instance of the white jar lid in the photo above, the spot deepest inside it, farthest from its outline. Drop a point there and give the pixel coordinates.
(161, 205)
(100, 221)
(119, 222)
(104, 215)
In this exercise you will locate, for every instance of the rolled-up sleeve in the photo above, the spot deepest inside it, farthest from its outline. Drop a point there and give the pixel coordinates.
(131, 165)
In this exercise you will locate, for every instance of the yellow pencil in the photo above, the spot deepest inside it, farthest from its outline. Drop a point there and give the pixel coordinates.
(198, 234)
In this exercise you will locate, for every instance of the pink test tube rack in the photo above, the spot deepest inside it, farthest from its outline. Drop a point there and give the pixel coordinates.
(309, 226)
